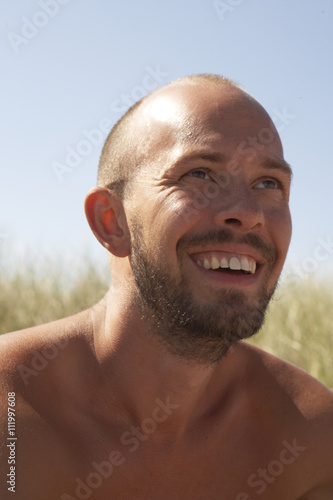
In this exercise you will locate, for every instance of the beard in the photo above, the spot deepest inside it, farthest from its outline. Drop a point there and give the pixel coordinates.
(198, 333)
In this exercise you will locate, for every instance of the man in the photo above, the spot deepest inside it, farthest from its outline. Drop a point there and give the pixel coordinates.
(153, 394)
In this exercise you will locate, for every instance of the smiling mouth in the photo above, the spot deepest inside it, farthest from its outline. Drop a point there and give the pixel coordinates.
(234, 264)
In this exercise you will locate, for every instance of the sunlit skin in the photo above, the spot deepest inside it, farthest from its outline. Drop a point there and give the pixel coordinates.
(246, 426)
(251, 202)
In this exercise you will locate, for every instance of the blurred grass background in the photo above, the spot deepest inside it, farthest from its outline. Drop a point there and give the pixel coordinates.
(298, 328)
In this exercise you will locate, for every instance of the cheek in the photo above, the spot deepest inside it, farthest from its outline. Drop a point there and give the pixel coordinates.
(173, 217)
(189, 209)
(280, 228)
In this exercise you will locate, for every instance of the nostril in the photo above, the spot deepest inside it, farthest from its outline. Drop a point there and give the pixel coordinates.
(234, 222)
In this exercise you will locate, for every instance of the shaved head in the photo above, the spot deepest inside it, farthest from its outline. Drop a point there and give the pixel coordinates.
(170, 150)
(127, 145)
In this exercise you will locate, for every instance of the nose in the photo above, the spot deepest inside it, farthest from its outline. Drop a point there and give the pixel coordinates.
(240, 212)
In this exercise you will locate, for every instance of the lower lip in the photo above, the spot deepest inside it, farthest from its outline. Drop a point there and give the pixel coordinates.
(229, 279)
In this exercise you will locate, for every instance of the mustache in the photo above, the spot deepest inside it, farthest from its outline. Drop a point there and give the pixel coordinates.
(227, 236)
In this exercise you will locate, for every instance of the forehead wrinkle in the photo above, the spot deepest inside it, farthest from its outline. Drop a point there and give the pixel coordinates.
(163, 140)
(210, 156)
(163, 143)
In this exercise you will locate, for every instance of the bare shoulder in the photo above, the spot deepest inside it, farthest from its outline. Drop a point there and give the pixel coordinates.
(313, 399)
(33, 348)
(41, 358)
(37, 360)
(37, 377)
(303, 409)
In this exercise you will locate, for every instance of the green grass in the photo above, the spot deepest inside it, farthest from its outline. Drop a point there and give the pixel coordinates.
(298, 328)
(38, 292)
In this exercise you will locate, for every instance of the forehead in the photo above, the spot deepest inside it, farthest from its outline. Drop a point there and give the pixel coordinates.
(209, 116)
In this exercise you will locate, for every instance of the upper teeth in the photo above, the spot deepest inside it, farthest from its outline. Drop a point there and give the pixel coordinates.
(243, 263)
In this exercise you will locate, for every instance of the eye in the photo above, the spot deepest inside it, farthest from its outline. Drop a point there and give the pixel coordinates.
(199, 174)
(269, 184)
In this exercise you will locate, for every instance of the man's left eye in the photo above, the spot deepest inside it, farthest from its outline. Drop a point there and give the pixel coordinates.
(268, 184)
(200, 174)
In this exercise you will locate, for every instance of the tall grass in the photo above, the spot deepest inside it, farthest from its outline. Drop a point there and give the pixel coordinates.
(298, 328)
(36, 292)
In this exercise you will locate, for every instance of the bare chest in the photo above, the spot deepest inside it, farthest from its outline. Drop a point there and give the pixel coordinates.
(137, 466)
(205, 476)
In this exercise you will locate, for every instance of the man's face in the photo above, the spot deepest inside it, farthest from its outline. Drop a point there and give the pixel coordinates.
(209, 218)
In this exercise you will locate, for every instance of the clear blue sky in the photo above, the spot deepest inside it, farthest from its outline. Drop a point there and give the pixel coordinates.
(71, 67)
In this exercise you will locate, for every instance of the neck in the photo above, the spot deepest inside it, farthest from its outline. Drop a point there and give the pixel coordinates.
(142, 374)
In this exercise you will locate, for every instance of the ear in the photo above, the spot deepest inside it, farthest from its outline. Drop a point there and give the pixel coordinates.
(107, 220)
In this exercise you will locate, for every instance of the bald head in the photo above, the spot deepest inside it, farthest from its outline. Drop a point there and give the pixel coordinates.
(176, 112)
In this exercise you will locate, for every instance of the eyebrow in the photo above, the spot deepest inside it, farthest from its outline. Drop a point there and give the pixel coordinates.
(213, 157)
(278, 164)
(271, 163)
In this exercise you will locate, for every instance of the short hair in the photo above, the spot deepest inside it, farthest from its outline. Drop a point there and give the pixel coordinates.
(120, 152)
